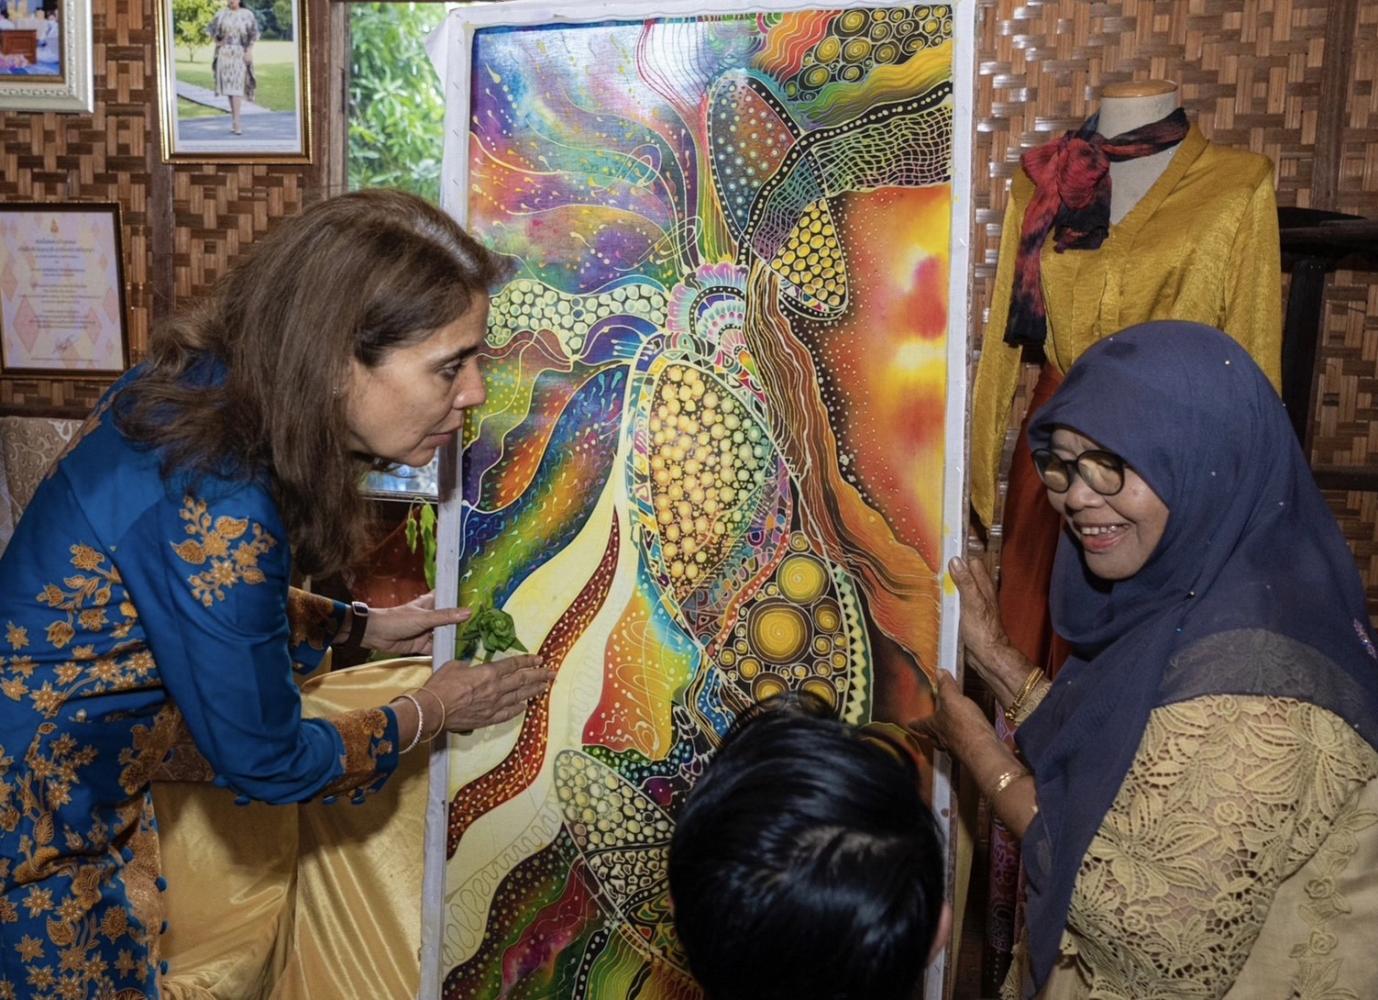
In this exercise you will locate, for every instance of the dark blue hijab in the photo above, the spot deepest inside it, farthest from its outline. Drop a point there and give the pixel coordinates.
(1252, 590)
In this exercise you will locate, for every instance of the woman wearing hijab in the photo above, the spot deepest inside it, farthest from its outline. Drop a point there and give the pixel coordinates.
(1199, 809)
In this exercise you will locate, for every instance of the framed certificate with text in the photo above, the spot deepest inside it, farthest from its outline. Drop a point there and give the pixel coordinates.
(62, 306)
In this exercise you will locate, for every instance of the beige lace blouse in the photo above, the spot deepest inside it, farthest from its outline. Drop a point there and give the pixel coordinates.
(1239, 860)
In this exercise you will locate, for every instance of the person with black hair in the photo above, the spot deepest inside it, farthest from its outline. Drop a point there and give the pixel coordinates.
(805, 866)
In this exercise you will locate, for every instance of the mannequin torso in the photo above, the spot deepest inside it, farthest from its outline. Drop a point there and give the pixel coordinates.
(1126, 106)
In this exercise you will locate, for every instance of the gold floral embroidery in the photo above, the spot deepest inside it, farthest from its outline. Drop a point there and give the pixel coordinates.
(85, 601)
(129, 668)
(9, 814)
(92, 602)
(42, 789)
(1226, 798)
(363, 733)
(164, 751)
(140, 875)
(312, 618)
(211, 542)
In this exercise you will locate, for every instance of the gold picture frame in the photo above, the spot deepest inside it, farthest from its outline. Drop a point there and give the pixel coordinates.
(45, 56)
(249, 57)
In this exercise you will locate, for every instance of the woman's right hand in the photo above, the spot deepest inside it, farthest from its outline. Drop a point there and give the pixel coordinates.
(982, 632)
(484, 694)
(958, 725)
(988, 645)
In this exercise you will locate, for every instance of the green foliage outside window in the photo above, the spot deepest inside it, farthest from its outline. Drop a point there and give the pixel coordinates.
(396, 112)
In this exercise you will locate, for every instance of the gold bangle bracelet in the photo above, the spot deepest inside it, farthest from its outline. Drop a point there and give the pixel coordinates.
(420, 721)
(444, 716)
(1030, 682)
(1034, 699)
(1005, 780)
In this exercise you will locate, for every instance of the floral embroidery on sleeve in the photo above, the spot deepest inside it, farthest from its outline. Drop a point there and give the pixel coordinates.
(1318, 965)
(364, 733)
(313, 618)
(211, 542)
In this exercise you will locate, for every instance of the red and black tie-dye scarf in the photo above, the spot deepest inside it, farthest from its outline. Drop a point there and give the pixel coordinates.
(1071, 177)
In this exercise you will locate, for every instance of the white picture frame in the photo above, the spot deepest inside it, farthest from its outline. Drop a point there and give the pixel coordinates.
(65, 85)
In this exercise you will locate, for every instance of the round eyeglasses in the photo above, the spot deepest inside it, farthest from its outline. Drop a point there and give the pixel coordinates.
(1103, 471)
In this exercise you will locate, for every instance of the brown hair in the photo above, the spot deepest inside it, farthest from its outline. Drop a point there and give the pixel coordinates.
(354, 276)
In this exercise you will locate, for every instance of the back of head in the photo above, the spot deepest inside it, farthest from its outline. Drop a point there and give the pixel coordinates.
(804, 865)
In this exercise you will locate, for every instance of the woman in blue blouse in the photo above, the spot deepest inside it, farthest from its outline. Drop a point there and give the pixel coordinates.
(148, 626)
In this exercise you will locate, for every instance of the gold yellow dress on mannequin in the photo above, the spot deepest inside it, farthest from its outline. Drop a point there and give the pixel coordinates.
(1201, 245)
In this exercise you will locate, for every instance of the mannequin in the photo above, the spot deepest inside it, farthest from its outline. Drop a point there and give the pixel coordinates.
(1204, 248)
(1126, 106)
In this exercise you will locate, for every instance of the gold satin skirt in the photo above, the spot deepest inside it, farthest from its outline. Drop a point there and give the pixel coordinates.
(303, 901)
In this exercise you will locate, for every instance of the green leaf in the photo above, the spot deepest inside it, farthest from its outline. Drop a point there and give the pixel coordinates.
(491, 628)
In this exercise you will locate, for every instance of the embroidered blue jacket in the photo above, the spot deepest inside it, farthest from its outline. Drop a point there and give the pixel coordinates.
(148, 631)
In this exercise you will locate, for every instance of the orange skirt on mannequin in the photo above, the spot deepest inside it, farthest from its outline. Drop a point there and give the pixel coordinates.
(1029, 538)
(1028, 545)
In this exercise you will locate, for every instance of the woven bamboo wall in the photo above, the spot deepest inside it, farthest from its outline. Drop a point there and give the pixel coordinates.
(1296, 80)
(1347, 431)
(182, 223)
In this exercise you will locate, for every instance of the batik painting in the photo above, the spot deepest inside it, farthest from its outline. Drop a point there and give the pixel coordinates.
(713, 461)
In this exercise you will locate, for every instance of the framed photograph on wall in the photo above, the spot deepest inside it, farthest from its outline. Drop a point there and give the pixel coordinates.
(62, 308)
(45, 55)
(233, 80)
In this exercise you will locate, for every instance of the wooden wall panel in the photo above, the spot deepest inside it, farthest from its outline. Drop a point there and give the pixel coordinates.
(1347, 393)
(105, 156)
(1358, 517)
(183, 224)
(1357, 190)
(220, 211)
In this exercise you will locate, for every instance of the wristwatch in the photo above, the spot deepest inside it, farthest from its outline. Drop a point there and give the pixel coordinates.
(357, 623)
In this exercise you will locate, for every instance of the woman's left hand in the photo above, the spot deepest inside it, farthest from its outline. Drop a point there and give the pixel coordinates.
(957, 724)
(409, 629)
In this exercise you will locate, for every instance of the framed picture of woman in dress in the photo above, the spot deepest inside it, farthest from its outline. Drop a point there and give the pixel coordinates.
(45, 55)
(233, 80)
